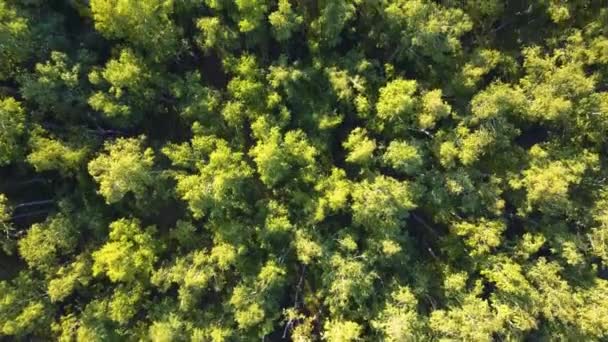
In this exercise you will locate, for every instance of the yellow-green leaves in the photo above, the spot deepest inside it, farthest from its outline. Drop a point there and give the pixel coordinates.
(284, 20)
(396, 101)
(548, 182)
(12, 124)
(381, 205)
(360, 147)
(45, 242)
(129, 253)
(402, 104)
(497, 100)
(472, 320)
(145, 24)
(277, 157)
(480, 236)
(434, 108)
(53, 154)
(127, 82)
(334, 190)
(403, 157)
(15, 35)
(250, 14)
(423, 27)
(221, 178)
(124, 167)
(399, 320)
(342, 331)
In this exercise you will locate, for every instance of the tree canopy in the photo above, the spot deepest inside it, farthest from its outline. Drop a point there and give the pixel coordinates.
(328, 170)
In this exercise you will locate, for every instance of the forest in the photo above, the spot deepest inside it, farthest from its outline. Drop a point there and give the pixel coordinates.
(303, 170)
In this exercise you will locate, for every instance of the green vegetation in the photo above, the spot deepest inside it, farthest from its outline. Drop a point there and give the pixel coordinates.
(323, 170)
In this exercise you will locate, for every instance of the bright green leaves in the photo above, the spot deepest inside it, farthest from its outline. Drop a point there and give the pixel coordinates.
(196, 102)
(349, 283)
(284, 21)
(55, 85)
(480, 236)
(399, 105)
(498, 100)
(68, 278)
(403, 157)
(246, 85)
(45, 242)
(433, 109)
(553, 88)
(474, 144)
(548, 181)
(473, 320)
(360, 148)
(12, 122)
(423, 27)
(593, 316)
(127, 81)
(280, 157)
(334, 15)
(381, 205)
(250, 14)
(482, 62)
(146, 24)
(22, 308)
(129, 253)
(335, 190)
(277, 224)
(399, 320)
(221, 179)
(125, 166)
(215, 35)
(15, 40)
(255, 301)
(342, 331)
(196, 272)
(396, 102)
(53, 154)
(340, 170)
(598, 235)
(6, 227)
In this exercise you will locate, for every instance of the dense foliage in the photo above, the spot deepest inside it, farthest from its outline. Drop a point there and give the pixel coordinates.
(339, 170)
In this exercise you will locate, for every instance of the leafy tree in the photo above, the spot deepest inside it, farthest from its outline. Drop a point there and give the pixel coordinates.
(22, 309)
(382, 204)
(284, 20)
(399, 320)
(342, 331)
(146, 24)
(15, 39)
(129, 253)
(70, 277)
(360, 147)
(123, 167)
(403, 157)
(12, 119)
(426, 28)
(128, 83)
(222, 174)
(277, 157)
(53, 154)
(44, 243)
(55, 85)
(339, 170)
(473, 319)
(396, 102)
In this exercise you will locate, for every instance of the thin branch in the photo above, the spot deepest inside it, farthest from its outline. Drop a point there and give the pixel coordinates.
(33, 203)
